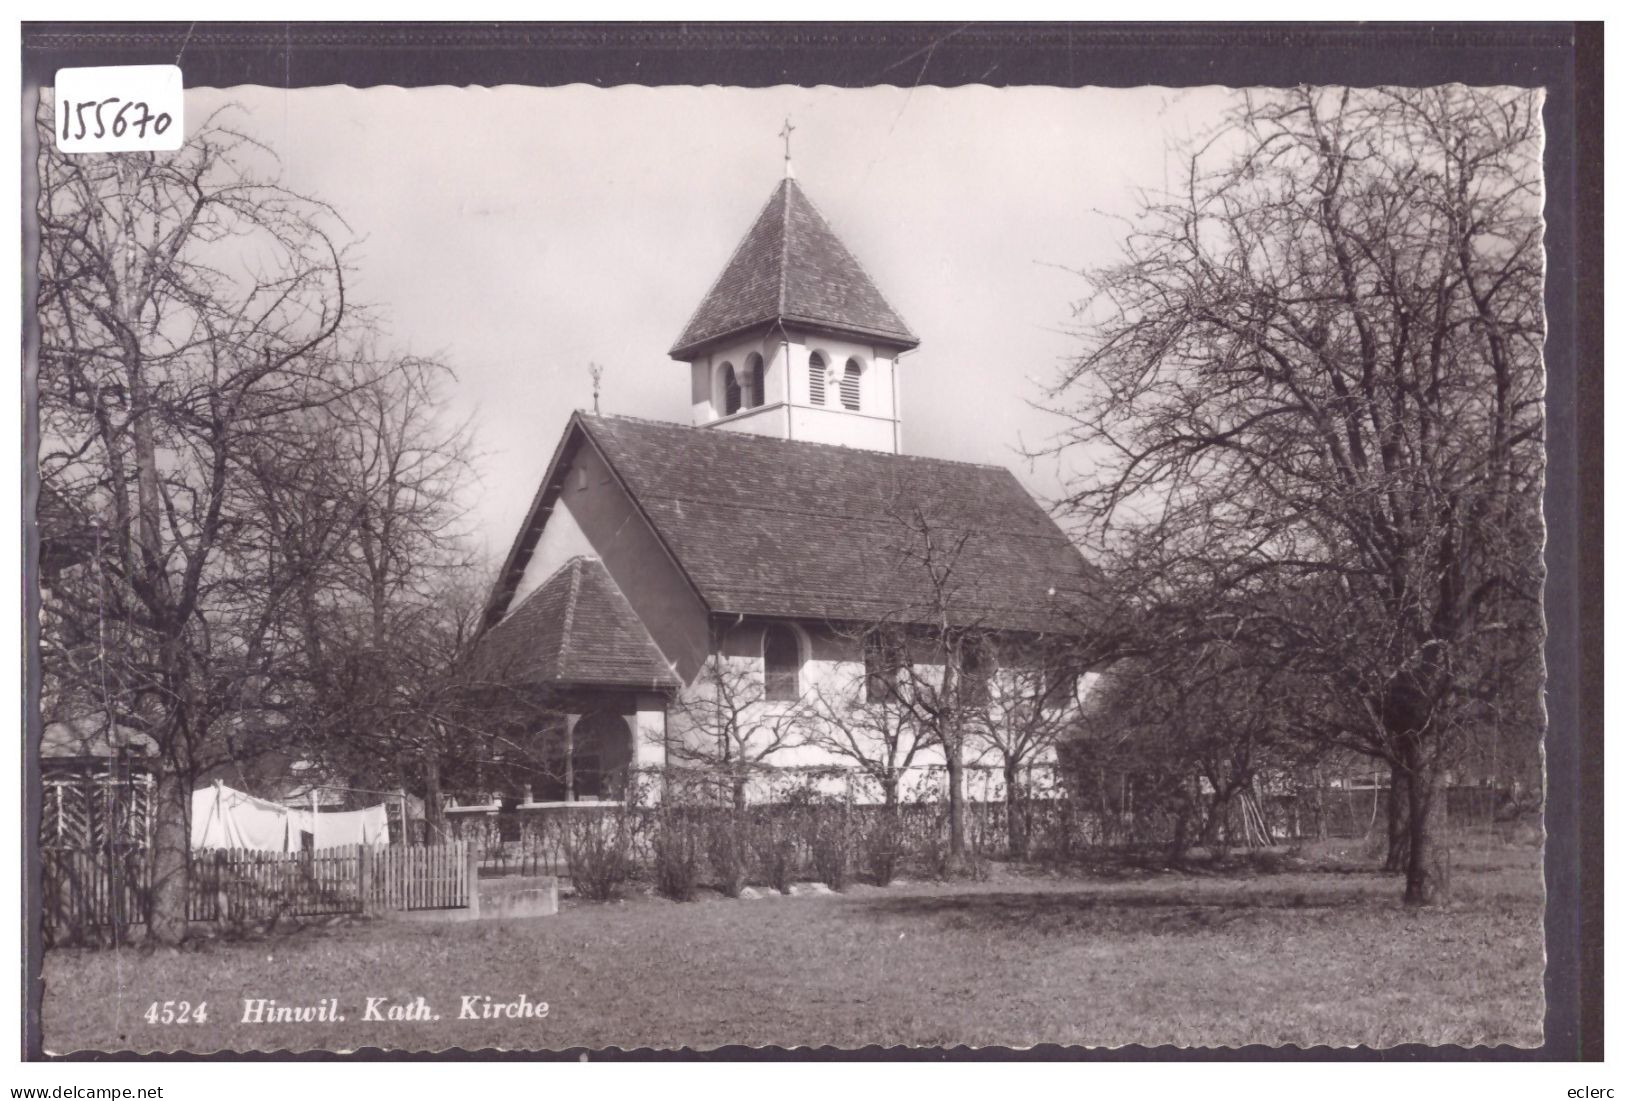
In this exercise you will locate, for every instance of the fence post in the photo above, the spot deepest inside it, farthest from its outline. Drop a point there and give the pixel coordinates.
(364, 874)
(471, 857)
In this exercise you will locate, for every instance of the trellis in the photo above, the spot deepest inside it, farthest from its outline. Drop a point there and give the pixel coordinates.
(95, 810)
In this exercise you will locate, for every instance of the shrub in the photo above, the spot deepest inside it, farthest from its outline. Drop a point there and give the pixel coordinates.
(831, 844)
(977, 864)
(727, 843)
(882, 844)
(677, 852)
(1057, 837)
(774, 840)
(598, 853)
(927, 838)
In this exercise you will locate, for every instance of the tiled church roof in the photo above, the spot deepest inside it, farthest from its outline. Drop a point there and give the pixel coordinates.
(793, 529)
(791, 267)
(576, 629)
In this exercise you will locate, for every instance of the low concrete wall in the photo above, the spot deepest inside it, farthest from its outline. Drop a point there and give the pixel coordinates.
(527, 896)
(519, 897)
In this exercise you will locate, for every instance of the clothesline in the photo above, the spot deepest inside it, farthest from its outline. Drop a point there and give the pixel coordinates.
(396, 794)
(224, 818)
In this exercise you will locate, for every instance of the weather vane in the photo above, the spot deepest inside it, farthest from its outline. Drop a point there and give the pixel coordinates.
(789, 128)
(596, 370)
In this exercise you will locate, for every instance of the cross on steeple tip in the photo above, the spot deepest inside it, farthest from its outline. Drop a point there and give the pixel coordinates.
(789, 128)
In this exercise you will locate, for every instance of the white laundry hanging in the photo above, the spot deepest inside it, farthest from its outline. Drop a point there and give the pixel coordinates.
(225, 818)
(352, 827)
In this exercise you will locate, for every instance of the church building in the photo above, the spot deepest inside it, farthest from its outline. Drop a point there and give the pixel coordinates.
(764, 538)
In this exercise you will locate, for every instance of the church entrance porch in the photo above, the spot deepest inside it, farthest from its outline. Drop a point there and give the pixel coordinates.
(583, 748)
(588, 757)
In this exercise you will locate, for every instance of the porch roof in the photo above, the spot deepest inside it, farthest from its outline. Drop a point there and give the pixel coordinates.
(576, 629)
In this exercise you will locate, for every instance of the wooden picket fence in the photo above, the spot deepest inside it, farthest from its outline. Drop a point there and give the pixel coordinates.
(88, 889)
(421, 877)
(91, 895)
(245, 885)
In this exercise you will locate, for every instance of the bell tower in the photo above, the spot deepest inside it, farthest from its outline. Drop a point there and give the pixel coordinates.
(794, 339)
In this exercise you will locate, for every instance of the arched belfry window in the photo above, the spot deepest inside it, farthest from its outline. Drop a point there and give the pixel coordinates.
(852, 385)
(753, 381)
(816, 370)
(781, 659)
(731, 394)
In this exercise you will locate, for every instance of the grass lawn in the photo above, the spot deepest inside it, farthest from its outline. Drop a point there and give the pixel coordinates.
(1307, 956)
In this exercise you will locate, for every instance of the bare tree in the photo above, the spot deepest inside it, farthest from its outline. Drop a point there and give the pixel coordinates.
(727, 724)
(1211, 719)
(461, 717)
(184, 302)
(943, 678)
(1031, 701)
(866, 720)
(372, 533)
(1311, 398)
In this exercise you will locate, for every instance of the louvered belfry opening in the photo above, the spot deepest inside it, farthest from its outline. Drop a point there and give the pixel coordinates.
(852, 385)
(816, 370)
(731, 392)
(755, 388)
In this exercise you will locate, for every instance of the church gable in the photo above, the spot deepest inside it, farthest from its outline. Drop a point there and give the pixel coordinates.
(583, 509)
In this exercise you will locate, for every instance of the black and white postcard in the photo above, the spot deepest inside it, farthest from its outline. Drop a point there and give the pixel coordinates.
(705, 565)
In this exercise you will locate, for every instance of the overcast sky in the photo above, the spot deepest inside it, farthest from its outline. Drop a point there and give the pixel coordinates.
(521, 233)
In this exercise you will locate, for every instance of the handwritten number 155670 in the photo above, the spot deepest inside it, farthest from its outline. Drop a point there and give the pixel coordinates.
(134, 113)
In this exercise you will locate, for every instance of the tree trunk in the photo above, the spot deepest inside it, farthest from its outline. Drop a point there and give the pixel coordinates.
(434, 812)
(1108, 831)
(888, 790)
(1216, 826)
(1421, 886)
(1015, 812)
(956, 797)
(171, 839)
(1399, 815)
(1180, 842)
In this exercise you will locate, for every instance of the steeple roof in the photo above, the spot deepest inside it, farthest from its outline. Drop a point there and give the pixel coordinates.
(791, 267)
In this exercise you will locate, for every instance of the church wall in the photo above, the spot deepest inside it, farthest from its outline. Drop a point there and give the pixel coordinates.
(562, 539)
(832, 672)
(787, 410)
(649, 748)
(593, 516)
(843, 428)
(769, 420)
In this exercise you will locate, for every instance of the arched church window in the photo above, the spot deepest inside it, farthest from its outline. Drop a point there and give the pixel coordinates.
(973, 675)
(816, 370)
(882, 666)
(753, 381)
(852, 385)
(781, 658)
(731, 394)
